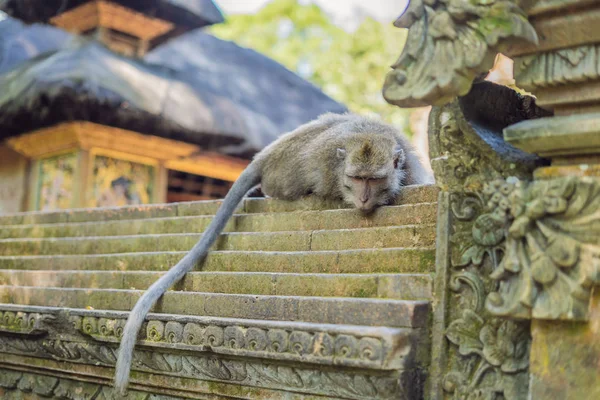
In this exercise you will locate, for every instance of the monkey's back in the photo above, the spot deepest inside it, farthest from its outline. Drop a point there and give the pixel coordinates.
(289, 166)
(304, 161)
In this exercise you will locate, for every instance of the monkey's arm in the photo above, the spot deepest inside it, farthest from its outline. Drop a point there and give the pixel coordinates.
(247, 180)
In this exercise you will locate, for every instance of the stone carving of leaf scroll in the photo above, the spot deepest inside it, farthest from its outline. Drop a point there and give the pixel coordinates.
(450, 43)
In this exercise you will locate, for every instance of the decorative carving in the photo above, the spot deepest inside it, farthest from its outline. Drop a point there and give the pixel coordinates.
(24, 323)
(466, 142)
(451, 42)
(488, 357)
(560, 67)
(552, 256)
(275, 343)
(248, 372)
(531, 250)
(13, 382)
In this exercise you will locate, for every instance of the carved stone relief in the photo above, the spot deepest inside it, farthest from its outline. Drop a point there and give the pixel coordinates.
(229, 353)
(14, 383)
(552, 256)
(561, 67)
(488, 357)
(308, 346)
(466, 144)
(449, 44)
(484, 356)
(351, 384)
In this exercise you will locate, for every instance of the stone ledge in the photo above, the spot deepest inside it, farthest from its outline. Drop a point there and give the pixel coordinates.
(364, 285)
(335, 310)
(557, 136)
(407, 214)
(389, 260)
(331, 239)
(412, 194)
(376, 348)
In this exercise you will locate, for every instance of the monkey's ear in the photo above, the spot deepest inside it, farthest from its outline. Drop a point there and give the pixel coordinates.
(341, 154)
(399, 158)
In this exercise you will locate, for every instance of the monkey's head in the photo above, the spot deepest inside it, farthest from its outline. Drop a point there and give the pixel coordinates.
(373, 171)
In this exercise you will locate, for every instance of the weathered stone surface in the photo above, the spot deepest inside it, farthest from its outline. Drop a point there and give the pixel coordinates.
(284, 221)
(448, 46)
(401, 236)
(91, 214)
(557, 136)
(375, 348)
(300, 278)
(204, 377)
(345, 261)
(264, 241)
(465, 138)
(405, 286)
(396, 313)
(410, 194)
(337, 219)
(565, 358)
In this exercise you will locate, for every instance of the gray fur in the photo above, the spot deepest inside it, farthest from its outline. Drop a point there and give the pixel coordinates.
(328, 158)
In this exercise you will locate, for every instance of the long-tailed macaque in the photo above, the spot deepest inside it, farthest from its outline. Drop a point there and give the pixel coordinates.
(348, 157)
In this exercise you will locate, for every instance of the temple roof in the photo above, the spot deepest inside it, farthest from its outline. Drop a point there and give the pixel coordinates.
(187, 13)
(196, 88)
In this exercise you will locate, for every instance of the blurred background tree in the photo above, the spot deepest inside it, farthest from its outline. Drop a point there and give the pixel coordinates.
(347, 65)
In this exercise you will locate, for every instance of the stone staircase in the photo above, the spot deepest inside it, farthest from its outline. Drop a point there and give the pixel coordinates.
(297, 300)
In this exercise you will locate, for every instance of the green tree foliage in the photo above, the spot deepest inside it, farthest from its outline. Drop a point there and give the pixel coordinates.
(349, 67)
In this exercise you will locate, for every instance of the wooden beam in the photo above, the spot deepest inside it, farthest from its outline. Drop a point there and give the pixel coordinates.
(87, 135)
(106, 14)
(211, 165)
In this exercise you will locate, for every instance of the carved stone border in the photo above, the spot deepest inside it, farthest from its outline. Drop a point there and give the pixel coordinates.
(376, 348)
(348, 383)
(14, 383)
(474, 353)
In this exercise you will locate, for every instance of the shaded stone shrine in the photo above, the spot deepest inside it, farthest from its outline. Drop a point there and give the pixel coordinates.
(131, 102)
(484, 286)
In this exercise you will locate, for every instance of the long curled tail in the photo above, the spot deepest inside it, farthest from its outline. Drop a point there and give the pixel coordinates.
(247, 180)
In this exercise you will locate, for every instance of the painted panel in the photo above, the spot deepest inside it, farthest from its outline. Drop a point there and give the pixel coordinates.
(118, 182)
(13, 181)
(56, 181)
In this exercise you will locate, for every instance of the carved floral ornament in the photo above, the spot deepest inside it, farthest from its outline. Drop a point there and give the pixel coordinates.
(449, 43)
(544, 240)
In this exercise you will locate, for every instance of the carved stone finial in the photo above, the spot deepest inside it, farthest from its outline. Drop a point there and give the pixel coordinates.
(451, 42)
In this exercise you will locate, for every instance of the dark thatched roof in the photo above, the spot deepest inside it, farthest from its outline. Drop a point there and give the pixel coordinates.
(196, 88)
(185, 13)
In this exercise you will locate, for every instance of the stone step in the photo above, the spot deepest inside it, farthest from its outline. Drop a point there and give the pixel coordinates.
(391, 260)
(410, 194)
(330, 310)
(422, 213)
(342, 239)
(393, 286)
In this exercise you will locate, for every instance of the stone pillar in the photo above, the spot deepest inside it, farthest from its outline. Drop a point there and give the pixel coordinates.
(518, 265)
(563, 71)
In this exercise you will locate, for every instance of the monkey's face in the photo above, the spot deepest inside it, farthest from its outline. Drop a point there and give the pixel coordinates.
(373, 181)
